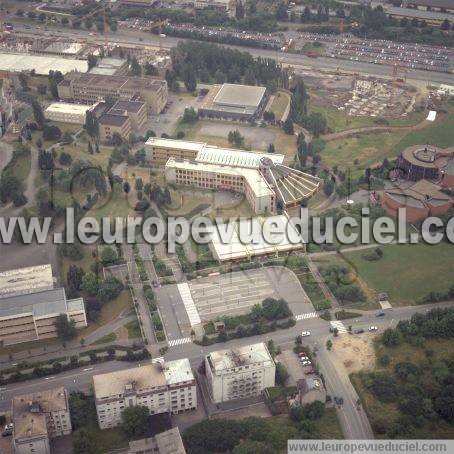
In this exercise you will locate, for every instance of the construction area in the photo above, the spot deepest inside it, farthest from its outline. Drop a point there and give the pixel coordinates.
(362, 96)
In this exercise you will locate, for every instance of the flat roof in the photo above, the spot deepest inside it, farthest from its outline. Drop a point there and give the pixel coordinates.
(114, 120)
(175, 144)
(236, 95)
(170, 442)
(221, 360)
(268, 242)
(142, 378)
(26, 280)
(29, 424)
(254, 178)
(178, 371)
(41, 64)
(129, 106)
(63, 107)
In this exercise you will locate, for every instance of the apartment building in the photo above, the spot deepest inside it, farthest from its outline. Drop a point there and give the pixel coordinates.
(38, 418)
(110, 124)
(64, 112)
(168, 387)
(31, 316)
(240, 372)
(167, 442)
(91, 88)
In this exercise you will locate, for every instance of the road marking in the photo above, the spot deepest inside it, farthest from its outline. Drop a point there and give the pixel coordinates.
(306, 316)
(340, 326)
(183, 340)
(191, 310)
(159, 359)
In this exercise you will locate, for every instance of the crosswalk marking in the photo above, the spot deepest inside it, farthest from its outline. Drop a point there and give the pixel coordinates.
(306, 316)
(339, 325)
(159, 359)
(183, 340)
(191, 310)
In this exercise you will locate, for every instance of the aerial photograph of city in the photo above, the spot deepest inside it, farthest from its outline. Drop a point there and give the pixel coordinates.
(226, 226)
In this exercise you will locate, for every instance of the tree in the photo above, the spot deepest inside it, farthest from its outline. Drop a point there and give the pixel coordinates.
(38, 113)
(391, 337)
(281, 374)
(108, 256)
(135, 68)
(281, 11)
(329, 344)
(84, 442)
(271, 148)
(23, 80)
(91, 124)
(189, 78)
(90, 284)
(189, 115)
(74, 280)
(288, 126)
(42, 89)
(239, 12)
(150, 70)
(109, 289)
(135, 420)
(92, 60)
(51, 132)
(66, 329)
(445, 25)
(126, 187)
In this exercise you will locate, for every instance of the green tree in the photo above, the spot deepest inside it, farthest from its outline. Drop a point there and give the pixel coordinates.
(66, 329)
(108, 256)
(281, 374)
(239, 11)
(288, 126)
(329, 344)
(90, 284)
(91, 124)
(135, 68)
(92, 60)
(271, 148)
(189, 78)
(135, 420)
(38, 113)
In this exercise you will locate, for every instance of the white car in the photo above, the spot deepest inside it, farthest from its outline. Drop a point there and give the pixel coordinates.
(373, 328)
(304, 358)
(305, 333)
(306, 363)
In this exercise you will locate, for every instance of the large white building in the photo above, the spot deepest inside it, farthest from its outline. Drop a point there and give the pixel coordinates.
(261, 177)
(38, 418)
(168, 387)
(67, 113)
(240, 372)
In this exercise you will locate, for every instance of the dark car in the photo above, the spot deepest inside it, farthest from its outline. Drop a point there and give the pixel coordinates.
(380, 314)
(358, 331)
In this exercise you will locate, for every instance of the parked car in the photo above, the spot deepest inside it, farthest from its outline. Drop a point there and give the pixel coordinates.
(306, 363)
(380, 314)
(359, 331)
(305, 333)
(373, 328)
(304, 358)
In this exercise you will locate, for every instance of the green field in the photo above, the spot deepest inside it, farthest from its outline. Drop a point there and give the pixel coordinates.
(407, 272)
(279, 104)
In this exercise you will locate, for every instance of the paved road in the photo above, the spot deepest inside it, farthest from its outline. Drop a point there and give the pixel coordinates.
(299, 62)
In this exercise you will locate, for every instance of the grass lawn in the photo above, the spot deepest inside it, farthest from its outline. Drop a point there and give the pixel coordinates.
(133, 329)
(407, 272)
(360, 152)
(81, 153)
(111, 337)
(378, 411)
(279, 104)
(115, 204)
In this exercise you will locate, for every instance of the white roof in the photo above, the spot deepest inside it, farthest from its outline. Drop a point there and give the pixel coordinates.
(175, 144)
(63, 107)
(237, 158)
(253, 177)
(239, 95)
(221, 360)
(230, 245)
(26, 280)
(41, 64)
(178, 371)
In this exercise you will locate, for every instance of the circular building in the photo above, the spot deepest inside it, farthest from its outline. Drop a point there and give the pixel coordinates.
(419, 162)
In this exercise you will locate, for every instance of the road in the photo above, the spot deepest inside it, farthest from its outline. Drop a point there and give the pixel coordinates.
(298, 61)
(354, 422)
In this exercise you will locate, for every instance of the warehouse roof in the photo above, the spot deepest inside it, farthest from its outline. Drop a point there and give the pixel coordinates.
(26, 280)
(240, 95)
(222, 360)
(236, 158)
(41, 303)
(268, 242)
(40, 64)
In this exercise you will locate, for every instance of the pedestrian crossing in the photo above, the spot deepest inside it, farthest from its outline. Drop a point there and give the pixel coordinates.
(159, 359)
(183, 340)
(306, 316)
(191, 310)
(339, 325)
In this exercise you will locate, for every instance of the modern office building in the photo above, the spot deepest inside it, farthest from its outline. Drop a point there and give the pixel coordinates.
(38, 418)
(240, 372)
(110, 66)
(234, 102)
(64, 112)
(91, 88)
(168, 387)
(110, 124)
(135, 110)
(262, 177)
(30, 317)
